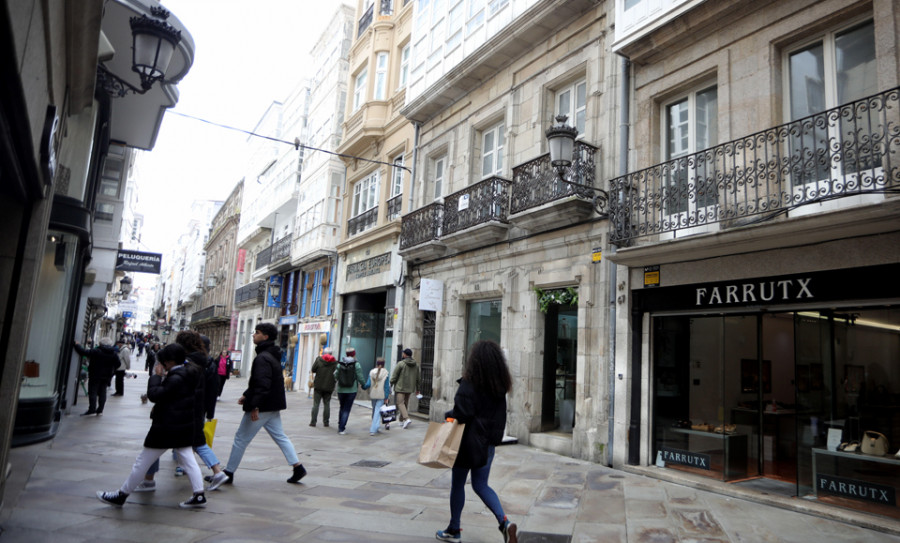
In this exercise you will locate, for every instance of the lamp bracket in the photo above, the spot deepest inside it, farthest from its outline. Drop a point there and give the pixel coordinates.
(114, 85)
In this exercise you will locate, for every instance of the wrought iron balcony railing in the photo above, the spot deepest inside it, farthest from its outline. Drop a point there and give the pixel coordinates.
(485, 201)
(208, 313)
(393, 207)
(276, 252)
(251, 292)
(422, 225)
(362, 222)
(536, 182)
(849, 150)
(365, 21)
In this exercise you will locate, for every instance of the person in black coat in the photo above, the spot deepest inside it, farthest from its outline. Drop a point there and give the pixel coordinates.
(102, 364)
(171, 389)
(480, 404)
(263, 402)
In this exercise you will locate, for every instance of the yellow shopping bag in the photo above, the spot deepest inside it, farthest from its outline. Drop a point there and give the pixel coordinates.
(209, 431)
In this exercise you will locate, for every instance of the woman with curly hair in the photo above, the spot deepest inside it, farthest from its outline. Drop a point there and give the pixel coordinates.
(480, 404)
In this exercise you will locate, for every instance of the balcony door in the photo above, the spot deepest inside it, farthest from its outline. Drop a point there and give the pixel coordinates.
(834, 151)
(690, 193)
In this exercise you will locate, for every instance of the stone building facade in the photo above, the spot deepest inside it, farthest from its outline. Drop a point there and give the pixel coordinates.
(499, 245)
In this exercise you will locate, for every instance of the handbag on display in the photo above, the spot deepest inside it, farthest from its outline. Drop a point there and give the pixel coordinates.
(874, 443)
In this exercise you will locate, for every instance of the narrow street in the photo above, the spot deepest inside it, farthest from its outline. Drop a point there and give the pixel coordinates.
(359, 488)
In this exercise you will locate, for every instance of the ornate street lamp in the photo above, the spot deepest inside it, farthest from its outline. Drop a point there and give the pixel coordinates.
(125, 285)
(561, 140)
(154, 42)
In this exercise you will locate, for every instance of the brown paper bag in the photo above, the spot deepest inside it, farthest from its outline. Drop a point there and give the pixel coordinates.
(441, 444)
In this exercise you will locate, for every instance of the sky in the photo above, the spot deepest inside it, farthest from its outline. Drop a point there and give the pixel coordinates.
(247, 55)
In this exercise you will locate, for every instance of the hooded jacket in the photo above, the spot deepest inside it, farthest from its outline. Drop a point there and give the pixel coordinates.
(405, 378)
(173, 412)
(266, 387)
(324, 367)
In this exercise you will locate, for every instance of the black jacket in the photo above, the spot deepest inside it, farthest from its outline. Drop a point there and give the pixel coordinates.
(102, 361)
(485, 420)
(196, 363)
(266, 387)
(173, 412)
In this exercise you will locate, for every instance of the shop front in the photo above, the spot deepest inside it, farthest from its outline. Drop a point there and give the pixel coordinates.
(785, 384)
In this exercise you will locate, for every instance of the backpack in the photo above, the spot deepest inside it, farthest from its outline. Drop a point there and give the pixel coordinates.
(346, 374)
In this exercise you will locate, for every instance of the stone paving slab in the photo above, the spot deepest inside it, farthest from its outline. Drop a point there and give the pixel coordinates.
(554, 499)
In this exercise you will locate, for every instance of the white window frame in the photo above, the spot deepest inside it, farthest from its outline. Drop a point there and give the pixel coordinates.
(365, 194)
(381, 74)
(494, 6)
(439, 175)
(455, 25)
(690, 177)
(801, 189)
(359, 88)
(397, 176)
(474, 16)
(493, 144)
(574, 107)
(404, 65)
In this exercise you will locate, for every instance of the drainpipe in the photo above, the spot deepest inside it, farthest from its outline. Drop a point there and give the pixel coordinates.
(624, 112)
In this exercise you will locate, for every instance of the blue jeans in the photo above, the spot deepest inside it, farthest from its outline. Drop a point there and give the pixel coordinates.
(346, 400)
(376, 415)
(271, 421)
(479, 485)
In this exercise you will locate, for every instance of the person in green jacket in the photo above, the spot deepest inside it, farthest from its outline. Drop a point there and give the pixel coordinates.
(347, 374)
(404, 383)
(323, 385)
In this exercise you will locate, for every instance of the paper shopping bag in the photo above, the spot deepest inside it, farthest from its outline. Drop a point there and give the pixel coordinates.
(209, 431)
(388, 413)
(441, 444)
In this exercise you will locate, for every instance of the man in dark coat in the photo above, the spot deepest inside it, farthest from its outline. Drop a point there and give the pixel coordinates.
(263, 402)
(171, 388)
(102, 364)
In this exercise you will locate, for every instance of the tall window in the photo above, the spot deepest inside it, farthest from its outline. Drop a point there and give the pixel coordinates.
(571, 101)
(454, 25)
(359, 89)
(690, 127)
(404, 65)
(492, 143)
(381, 73)
(474, 16)
(440, 167)
(365, 194)
(834, 69)
(397, 176)
(496, 5)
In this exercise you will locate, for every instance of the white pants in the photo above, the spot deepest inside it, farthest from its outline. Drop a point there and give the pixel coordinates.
(146, 458)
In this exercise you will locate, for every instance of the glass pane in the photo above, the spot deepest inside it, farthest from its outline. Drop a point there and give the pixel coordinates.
(564, 106)
(855, 62)
(813, 367)
(677, 129)
(807, 75)
(707, 115)
(483, 322)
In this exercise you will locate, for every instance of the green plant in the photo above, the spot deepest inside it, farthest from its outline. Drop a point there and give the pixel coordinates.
(559, 296)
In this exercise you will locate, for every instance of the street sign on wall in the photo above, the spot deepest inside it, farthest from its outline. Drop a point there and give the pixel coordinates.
(136, 261)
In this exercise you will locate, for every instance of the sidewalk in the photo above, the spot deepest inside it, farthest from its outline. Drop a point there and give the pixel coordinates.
(360, 488)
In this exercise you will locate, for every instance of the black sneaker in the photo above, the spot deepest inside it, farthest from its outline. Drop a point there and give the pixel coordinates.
(230, 477)
(196, 501)
(89, 412)
(509, 531)
(116, 498)
(299, 473)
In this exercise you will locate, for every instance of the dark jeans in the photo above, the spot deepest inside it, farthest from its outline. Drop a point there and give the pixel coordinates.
(222, 380)
(97, 391)
(479, 485)
(321, 396)
(346, 401)
(120, 382)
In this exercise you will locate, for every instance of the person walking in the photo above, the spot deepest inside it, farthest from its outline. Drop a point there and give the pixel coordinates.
(323, 385)
(151, 357)
(348, 374)
(102, 364)
(480, 404)
(404, 383)
(224, 366)
(124, 366)
(380, 390)
(171, 388)
(263, 402)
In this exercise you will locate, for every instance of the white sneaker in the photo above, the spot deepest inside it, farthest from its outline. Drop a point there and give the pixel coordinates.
(341, 433)
(406, 423)
(217, 481)
(146, 486)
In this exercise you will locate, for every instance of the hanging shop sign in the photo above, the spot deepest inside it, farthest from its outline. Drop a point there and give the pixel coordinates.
(136, 261)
